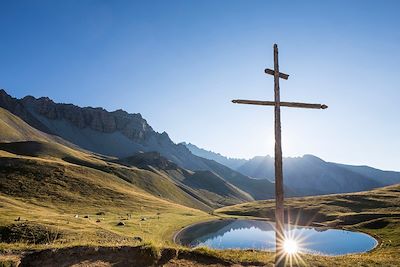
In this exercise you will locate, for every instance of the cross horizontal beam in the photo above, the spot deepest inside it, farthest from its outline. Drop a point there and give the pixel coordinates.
(283, 104)
(281, 74)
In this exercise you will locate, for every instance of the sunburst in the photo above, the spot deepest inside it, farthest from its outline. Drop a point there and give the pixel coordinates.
(294, 244)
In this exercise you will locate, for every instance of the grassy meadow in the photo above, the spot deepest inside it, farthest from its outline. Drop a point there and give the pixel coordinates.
(375, 212)
(54, 197)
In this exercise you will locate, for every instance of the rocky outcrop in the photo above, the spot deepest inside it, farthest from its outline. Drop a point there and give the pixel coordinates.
(132, 126)
(122, 135)
(16, 107)
(117, 133)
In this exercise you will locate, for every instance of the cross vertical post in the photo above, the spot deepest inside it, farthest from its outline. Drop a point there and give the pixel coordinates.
(279, 207)
(280, 255)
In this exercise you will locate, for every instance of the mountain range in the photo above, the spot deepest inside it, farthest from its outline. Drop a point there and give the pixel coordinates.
(34, 127)
(308, 175)
(125, 146)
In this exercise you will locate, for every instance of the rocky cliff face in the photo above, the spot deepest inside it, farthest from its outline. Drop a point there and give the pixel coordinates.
(132, 126)
(29, 108)
(16, 107)
(116, 133)
(123, 135)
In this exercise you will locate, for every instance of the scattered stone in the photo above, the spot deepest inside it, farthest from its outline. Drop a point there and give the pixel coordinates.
(101, 213)
(137, 238)
(143, 219)
(18, 219)
(76, 216)
(86, 217)
(120, 224)
(98, 220)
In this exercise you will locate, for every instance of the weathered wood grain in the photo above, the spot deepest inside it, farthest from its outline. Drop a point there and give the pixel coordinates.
(281, 74)
(282, 104)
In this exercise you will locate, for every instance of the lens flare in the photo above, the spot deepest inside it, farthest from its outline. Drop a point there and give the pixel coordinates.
(290, 246)
(293, 243)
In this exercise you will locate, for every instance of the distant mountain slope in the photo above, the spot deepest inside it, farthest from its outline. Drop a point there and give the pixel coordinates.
(53, 153)
(149, 172)
(115, 133)
(229, 162)
(382, 177)
(120, 134)
(200, 184)
(259, 189)
(310, 175)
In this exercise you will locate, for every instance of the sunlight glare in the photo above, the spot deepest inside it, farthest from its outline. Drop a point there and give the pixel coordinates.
(290, 246)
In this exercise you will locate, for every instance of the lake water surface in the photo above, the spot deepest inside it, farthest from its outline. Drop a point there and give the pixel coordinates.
(252, 234)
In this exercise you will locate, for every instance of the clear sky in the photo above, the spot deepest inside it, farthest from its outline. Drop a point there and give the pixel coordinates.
(179, 63)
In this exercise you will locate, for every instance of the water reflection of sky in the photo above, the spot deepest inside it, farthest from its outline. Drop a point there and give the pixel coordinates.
(249, 234)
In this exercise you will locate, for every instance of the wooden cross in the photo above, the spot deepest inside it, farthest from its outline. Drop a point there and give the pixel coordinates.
(280, 258)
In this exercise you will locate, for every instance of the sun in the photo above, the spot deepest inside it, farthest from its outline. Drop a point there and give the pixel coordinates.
(290, 246)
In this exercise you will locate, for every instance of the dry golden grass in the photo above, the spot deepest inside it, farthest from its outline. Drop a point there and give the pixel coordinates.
(56, 196)
(51, 194)
(375, 212)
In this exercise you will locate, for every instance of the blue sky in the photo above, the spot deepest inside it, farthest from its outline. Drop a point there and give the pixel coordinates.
(179, 63)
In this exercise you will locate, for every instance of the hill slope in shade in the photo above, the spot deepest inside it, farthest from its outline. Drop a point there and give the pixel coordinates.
(382, 177)
(13, 129)
(149, 172)
(202, 185)
(115, 133)
(259, 189)
(309, 175)
(232, 163)
(142, 180)
(120, 134)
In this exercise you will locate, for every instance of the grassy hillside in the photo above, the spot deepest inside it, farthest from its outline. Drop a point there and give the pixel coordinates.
(47, 202)
(13, 129)
(332, 210)
(53, 195)
(204, 190)
(40, 211)
(376, 212)
(21, 140)
(257, 188)
(206, 186)
(143, 180)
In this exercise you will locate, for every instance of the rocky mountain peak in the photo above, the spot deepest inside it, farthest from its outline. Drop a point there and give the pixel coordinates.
(117, 133)
(131, 125)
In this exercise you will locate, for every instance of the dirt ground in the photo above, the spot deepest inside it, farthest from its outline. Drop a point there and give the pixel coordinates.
(113, 256)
